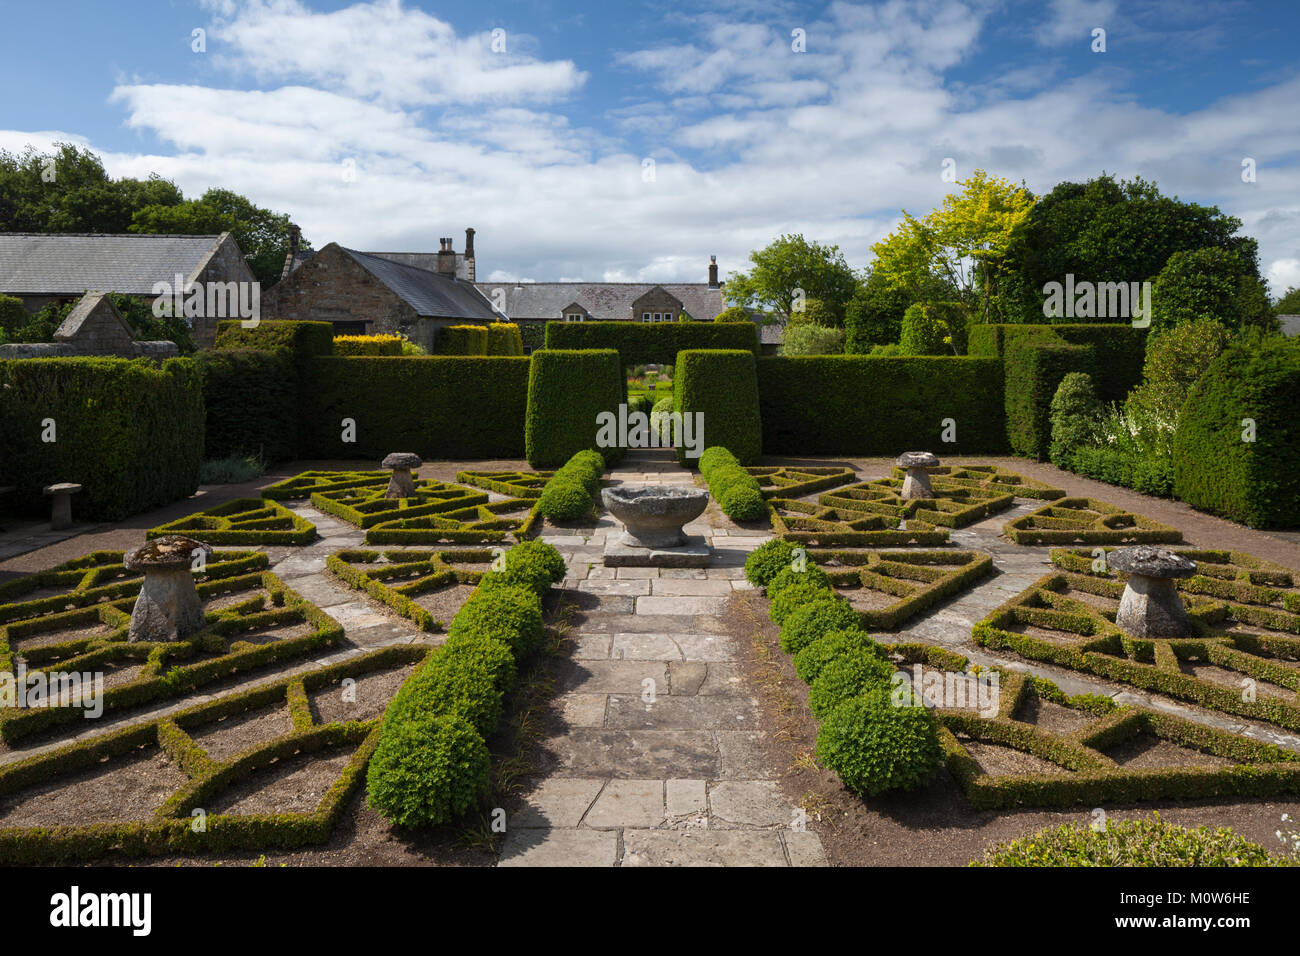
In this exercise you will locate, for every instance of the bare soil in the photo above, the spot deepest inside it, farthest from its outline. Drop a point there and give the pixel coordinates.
(129, 787)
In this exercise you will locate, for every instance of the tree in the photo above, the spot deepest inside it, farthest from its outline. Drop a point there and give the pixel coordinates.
(1289, 304)
(874, 316)
(1211, 283)
(963, 243)
(263, 235)
(808, 338)
(733, 313)
(789, 272)
(1104, 231)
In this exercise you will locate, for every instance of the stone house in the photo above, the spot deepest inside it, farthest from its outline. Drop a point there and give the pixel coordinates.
(94, 327)
(41, 268)
(375, 293)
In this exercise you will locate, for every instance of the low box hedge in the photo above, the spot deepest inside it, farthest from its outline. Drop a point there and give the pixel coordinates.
(435, 406)
(880, 405)
(721, 385)
(242, 521)
(567, 390)
(652, 343)
(128, 431)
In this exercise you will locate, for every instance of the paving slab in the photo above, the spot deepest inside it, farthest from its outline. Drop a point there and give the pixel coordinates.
(594, 751)
(528, 847)
(557, 802)
(703, 848)
(749, 803)
(682, 713)
(628, 803)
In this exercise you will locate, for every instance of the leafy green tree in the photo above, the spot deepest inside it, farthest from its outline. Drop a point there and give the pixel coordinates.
(263, 235)
(808, 338)
(791, 269)
(732, 313)
(1211, 283)
(1108, 231)
(874, 316)
(963, 243)
(1175, 360)
(1289, 304)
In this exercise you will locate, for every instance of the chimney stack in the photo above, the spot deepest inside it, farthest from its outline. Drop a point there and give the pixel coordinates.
(469, 253)
(713, 272)
(446, 258)
(291, 257)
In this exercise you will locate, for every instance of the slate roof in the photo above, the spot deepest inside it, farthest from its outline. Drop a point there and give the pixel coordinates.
(1290, 324)
(425, 260)
(70, 264)
(428, 293)
(86, 305)
(603, 300)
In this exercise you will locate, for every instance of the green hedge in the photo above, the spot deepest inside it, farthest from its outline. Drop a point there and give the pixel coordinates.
(1257, 483)
(129, 432)
(737, 492)
(462, 340)
(367, 345)
(566, 391)
(723, 386)
(504, 338)
(305, 340)
(869, 405)
(250, 400)
(435, 406)
(572, 492)
(644, 343)
(1037, 357)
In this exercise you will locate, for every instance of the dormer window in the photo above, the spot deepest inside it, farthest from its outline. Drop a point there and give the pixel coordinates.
(573, 317)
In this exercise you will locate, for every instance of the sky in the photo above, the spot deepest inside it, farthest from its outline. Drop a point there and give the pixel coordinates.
(630, 140)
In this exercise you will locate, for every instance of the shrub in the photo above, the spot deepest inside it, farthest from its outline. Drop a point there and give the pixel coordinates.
(428, 770)
(462, 340)
(934, 328)
(451, 683)
(367, 345)
(1175, 360)
(232, 470)
(876, 747)
(809, 662)
(504, 338)
(737, 491)
(1147, 841)
(306, 340)
(1255, 482)
(13, 316)
(532, 564)
(790, 589)
(651, 343)
(1210, 283)
(861, 405)
(874, 316)
(812, 339)
(492, 655)
(512, 614)
(732, 313)
(849, 674)
(439, 406)
(567, 390)
(810, 621)
(768, 560)
(1075, 410)
(570, 493)
(723, 385)
(129, 432)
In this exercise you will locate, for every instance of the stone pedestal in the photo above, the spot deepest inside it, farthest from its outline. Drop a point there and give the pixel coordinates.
(168, 608)
(1151, 605)
(61, 504)
(401, 485)
(653, 518)
(917, 465)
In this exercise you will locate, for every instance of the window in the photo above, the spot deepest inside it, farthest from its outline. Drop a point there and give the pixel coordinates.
(645, 316)
(573, 317)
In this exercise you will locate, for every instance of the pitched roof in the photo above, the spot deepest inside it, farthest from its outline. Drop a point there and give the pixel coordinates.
(602, 300)
(70, 264)
(1290, 324)
(428, 293)
(425, 260)
(71, 326)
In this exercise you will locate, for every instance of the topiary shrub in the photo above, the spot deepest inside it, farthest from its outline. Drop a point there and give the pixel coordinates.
(850, 674)
(533, 564)
(790, 588)
(768, 560)
(722, 385)
(809, 662)
(1251, 391)
(737, 492)
(428, 770)
(504, 338)
(567, 391)
(493, 655)
(451, 683)
(511, 613)
(1074, 414)
(743, 503)
(810, 621)
(1147, 841)
(462, 340)
(570, 494)
(812, 339)
(876, 747)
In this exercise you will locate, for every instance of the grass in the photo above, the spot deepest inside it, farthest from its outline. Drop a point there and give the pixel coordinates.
(232, 470)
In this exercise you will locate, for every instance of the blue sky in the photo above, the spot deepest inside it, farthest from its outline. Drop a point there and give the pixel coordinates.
(385, 125)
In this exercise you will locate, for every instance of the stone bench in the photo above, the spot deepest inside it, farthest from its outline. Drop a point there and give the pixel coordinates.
(61, 503)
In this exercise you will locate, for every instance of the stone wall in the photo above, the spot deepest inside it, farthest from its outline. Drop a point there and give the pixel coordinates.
(332, 287)
(656, 300)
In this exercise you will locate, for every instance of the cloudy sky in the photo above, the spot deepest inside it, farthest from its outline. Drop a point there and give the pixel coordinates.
(629, 140)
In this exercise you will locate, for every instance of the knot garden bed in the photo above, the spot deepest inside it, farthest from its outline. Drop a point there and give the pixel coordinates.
(1088, 521)
(242, 521)
(918, 580)
(397, 577)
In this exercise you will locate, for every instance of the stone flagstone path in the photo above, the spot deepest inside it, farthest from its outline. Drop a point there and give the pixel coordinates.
(659, 762)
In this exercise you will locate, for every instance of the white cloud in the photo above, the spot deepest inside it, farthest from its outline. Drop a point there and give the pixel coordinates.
(1072, 21)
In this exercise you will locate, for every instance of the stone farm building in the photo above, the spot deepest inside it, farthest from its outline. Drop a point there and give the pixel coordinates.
(416, 293)
(41, 268)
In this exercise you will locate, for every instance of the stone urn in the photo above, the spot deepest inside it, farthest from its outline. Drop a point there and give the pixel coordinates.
(653, 516)
(1151, 605)
(917, 465)
(168, 608)
(401, 485)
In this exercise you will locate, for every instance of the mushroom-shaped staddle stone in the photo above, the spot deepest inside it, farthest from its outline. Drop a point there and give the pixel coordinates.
(654, 515)
(918, 465)
(401, 485)
(1151, 605)
(168, 607)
